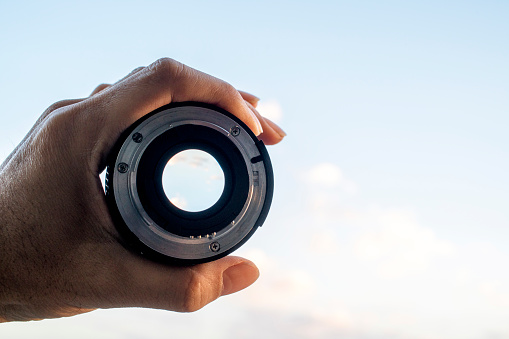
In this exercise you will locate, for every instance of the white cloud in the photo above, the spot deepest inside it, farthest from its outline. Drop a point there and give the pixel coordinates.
(462, 276)
(326, 175)
(282, 288)
(324, 242)
(270, 109)
(194, 159)
(399, 245)
(179, 201)
(495, 292)
(289, 304)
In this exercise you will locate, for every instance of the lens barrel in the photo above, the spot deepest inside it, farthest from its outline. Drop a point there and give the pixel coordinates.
(149, 223)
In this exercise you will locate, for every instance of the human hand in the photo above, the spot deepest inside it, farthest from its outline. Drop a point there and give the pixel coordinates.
(60, 252)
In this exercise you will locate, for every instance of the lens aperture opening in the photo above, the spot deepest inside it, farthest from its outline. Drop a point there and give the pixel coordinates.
(193, 180)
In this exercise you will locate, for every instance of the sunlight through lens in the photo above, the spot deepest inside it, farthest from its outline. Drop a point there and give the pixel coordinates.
(193, 180)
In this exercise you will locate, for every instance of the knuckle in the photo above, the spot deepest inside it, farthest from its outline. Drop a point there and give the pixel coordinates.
(99, 88)
(54, 114)
(227, 92)
(61, 119)
(137, 69)
(55, 106)
(198, 292)
(102, 86)
(166, 69)
(67, 121)
(133, 72)
(193, 295)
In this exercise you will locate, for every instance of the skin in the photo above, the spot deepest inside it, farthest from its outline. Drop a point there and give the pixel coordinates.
(60, 252)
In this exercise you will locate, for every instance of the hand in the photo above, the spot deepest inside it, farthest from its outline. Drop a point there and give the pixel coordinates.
(59, 250)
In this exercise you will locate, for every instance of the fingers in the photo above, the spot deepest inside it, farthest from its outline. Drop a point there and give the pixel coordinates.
(163, 82)
(253, 100)
(275, 127)
(238, 277)
(272, 133)
(183, 289)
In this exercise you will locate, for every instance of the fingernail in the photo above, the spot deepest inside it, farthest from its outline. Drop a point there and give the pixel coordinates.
(276, 128)
(259, 127)
(238, 277)
(250, 97)
(281, 133)
(256, 99)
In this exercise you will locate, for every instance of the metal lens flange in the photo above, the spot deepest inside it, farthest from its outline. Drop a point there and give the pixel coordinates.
(149, 222)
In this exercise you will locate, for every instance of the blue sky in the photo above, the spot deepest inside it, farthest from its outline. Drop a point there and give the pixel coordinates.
(390, 216)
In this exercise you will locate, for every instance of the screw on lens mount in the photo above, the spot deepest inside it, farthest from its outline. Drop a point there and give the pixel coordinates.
(123, 167)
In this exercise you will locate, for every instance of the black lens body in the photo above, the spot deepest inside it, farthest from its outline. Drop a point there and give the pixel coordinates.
(146, 219)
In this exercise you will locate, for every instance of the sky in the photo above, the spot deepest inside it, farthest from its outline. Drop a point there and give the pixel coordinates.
(193, 180)
(390, 215)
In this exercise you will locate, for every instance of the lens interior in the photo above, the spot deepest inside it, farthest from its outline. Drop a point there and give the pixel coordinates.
(193, 180)
(156, 202)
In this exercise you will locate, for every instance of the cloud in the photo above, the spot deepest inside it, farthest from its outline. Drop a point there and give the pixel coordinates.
(323, 242)
(495, 292)
(289, 304)
(325, 190)
(326, 175)
(179, 201)
(270, 109)
(284, 301)
(398, 244)
(193, 158)
(287, 326)
(282, 288)
(328, 324)
(216, 177)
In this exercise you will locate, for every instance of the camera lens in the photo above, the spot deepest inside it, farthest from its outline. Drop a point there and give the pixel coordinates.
(193, 180)
(188, 183)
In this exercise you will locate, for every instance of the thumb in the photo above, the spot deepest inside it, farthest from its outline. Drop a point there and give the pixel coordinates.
(183, 289)
(239, 276)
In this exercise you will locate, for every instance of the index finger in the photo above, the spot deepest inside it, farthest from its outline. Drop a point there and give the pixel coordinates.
(161, 83)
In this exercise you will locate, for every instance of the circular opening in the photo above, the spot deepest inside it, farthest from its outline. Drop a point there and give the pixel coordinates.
(193, 180)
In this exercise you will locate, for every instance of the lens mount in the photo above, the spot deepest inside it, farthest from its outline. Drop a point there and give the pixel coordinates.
(149, 222)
